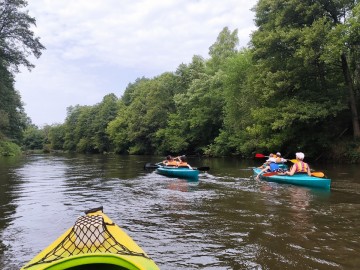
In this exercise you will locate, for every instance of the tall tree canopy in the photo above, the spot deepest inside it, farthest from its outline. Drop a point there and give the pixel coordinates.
(296, 87)
(17, 43)
(17, 40)
(85, 127)
(300, 86)
(12, 116)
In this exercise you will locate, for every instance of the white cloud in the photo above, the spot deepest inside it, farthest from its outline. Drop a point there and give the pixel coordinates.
(97, 47)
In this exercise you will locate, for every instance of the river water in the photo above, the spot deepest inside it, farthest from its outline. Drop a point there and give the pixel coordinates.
(226, 220)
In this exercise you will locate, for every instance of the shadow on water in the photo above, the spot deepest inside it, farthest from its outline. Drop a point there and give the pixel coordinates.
(9, 183)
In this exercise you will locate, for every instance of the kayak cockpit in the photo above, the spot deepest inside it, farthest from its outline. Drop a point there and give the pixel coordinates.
(94, 242)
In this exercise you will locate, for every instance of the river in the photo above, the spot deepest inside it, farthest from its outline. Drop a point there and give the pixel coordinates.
(226, 220)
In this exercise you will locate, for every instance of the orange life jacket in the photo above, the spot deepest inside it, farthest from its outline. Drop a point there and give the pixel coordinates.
(183, 164)
(301, 167)
(171, 163)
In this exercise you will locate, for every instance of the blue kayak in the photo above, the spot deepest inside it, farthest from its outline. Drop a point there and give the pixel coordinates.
(180, 172)
(299, 179)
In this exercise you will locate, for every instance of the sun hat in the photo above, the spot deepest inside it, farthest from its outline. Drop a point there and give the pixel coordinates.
(300, 155)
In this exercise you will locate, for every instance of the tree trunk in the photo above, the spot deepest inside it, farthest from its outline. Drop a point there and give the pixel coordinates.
(352, 101)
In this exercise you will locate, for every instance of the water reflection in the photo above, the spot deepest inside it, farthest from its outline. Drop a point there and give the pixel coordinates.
(226, 220)
(300, 216)
(182, 185)
(8, 183)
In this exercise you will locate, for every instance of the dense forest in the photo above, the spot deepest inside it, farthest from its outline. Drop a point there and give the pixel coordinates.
(294, 87)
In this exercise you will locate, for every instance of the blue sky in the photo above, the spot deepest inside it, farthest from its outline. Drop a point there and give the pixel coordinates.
(97, 47)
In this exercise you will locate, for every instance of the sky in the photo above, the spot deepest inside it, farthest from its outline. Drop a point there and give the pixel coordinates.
(98, 47)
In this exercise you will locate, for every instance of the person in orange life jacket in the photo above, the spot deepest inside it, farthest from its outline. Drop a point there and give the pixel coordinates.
(183, 163)
(170, 161)
(300, 166)
(271, 167)
(267, 162)
(279, 159)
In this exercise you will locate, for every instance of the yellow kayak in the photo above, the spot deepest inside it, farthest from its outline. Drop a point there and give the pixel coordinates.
(94, 242)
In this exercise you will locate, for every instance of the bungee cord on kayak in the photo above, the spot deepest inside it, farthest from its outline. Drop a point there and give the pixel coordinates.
(89, 235)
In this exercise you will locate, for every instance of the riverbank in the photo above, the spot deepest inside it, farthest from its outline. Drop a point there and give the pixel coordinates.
(346, 151)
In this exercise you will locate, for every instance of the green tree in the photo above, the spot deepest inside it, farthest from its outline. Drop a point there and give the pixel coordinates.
(199, 106)
(224, 47)
(13, 119)
(85, 126)
(117, 130)
(83, 131)
(104, 113)
(297, 91)
(56, 137)
(342, 44)
(129, 93)
(17, 43)
(17, 40)
(187, 73)
(34, 138)
(238, 102)
(144, 110)
(172, 136)
(73, 114)
(198, 116)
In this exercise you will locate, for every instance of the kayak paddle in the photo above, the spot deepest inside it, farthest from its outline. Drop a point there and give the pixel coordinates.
(315, 174)
(149, 166)
(318, 174)
(263, 156)
(203, 169)
(270, 174)
(260, 156)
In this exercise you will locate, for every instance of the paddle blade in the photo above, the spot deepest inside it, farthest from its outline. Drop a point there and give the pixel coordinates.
(203, 169)
(260, 156)
(149, 166)
(293, 160)
(270, 174)
(318, 174)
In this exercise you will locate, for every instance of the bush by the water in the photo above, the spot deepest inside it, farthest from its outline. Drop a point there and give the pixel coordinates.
(9, 149)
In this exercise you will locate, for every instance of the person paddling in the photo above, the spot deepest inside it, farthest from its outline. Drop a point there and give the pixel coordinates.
(170, 161)
(183, 163)
(271, 166)
(267, 162)
(279, 158)
(300, 166)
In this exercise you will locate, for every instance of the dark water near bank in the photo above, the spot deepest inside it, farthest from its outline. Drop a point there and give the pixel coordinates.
(226, 220)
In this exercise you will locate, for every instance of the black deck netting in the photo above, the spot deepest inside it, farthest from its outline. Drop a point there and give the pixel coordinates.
(89, 235)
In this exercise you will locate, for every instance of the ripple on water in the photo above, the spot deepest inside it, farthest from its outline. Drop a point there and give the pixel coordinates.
(223, 221)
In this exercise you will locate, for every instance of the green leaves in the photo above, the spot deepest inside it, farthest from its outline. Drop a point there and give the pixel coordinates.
(17, 40)
(13, 119)
(287, 91)
(86, 126)
(223, 48)
(299, 83)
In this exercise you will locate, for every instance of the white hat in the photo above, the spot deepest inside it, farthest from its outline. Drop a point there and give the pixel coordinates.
(300, 155)
(278, 154)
